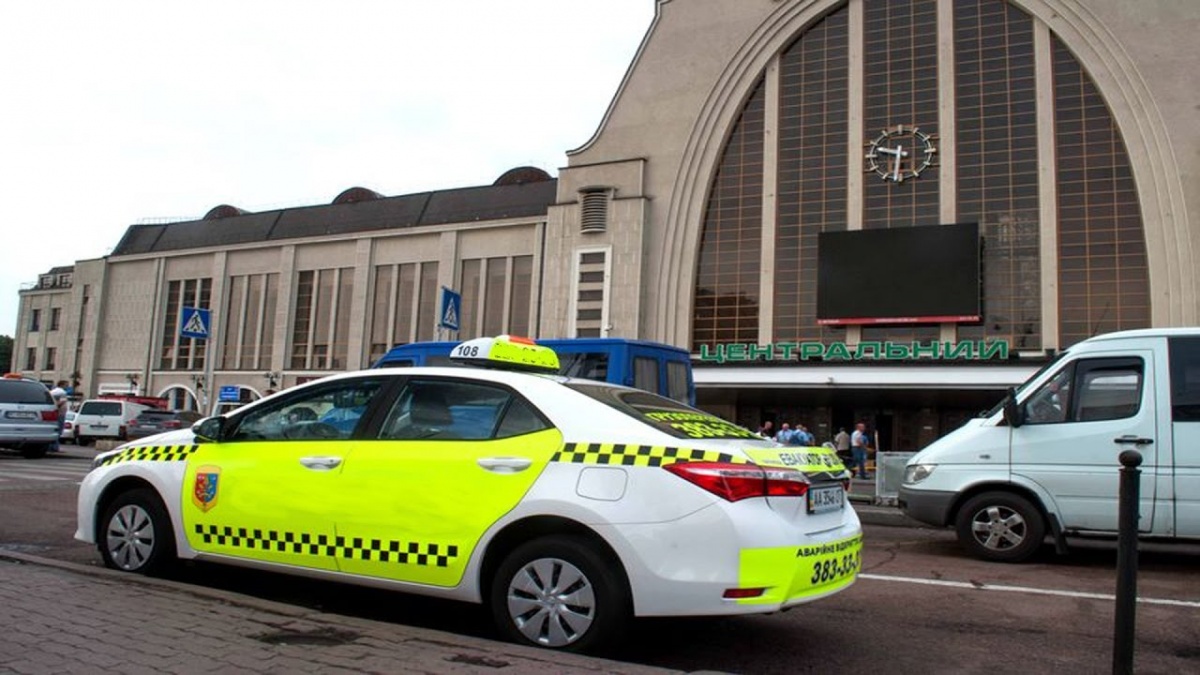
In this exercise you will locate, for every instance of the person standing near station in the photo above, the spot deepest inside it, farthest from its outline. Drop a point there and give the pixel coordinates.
(785, 434)
(63, 403)
(767, 430)
(803, 437)
(859, 440)
(841, 442)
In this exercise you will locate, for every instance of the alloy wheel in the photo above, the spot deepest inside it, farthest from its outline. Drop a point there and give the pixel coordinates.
(999, 528)
(130, 537)
(551, 602)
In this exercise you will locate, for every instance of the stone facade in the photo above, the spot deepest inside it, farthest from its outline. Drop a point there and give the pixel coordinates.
(617, 247)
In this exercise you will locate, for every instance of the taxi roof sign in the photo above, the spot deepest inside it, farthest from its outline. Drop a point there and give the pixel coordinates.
(508, 352)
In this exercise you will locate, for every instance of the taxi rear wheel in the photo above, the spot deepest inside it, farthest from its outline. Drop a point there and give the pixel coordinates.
(562, 593)
(136, 533)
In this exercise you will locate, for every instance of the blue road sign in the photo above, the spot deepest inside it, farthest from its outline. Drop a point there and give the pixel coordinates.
(195, 323)
(451, 309)
(230, 392)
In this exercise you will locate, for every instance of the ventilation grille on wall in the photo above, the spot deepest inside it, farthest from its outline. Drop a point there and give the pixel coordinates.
(594, 209)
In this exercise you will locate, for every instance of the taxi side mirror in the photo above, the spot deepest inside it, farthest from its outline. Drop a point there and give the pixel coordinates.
(1014, 413)
(209, 430)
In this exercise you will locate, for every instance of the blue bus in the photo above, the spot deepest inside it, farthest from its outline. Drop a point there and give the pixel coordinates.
(651, 366)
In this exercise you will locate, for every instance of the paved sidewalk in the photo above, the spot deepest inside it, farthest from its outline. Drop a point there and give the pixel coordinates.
(60, 617)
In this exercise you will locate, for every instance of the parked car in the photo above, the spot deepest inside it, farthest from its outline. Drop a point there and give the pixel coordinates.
(587, 503)
(1046, 460)
(105, 418)
(28, 416)
(155, 421)
(68, 430)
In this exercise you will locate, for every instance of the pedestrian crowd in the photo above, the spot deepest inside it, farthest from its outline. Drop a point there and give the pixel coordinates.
(853, 447)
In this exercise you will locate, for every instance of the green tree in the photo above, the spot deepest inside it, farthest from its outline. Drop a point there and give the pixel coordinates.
(6, 344)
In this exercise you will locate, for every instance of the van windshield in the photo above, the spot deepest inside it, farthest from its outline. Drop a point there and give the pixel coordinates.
(1052, 363)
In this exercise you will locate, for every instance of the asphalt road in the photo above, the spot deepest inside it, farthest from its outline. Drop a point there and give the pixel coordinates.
(921, 606)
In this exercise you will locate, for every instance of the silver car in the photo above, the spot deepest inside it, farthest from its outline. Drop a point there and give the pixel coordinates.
(28, 416)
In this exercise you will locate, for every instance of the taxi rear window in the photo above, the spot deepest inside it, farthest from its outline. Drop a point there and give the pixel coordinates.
(671, 417)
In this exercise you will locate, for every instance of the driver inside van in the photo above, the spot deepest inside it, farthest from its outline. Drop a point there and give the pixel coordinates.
(1050, 404)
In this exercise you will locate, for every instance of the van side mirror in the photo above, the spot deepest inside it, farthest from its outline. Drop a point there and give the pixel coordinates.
(1014, 413)
(209, 430)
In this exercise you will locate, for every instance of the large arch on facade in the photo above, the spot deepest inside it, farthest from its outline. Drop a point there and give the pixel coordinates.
(1169, 251)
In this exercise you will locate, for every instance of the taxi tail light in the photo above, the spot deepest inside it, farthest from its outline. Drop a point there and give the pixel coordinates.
(49, 415)
(734, 482)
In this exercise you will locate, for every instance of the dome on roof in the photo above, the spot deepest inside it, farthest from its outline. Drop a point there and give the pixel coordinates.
(224, 211)
(522, 175)
(356, 194)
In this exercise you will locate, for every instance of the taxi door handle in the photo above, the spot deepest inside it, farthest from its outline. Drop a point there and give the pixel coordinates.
(321, 463)
(505, 464)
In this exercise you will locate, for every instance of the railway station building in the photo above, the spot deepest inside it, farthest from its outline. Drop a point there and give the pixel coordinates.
(879, 210)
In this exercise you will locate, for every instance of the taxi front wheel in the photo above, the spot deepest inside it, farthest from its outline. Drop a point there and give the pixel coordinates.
(562, 593)
(136, 533)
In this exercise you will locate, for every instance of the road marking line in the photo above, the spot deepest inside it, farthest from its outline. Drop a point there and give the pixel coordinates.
(70, 469)
(38, 476)
(1026, 589)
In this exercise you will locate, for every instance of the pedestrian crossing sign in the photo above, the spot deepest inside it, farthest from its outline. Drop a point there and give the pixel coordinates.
(194, 323)
(451, 308)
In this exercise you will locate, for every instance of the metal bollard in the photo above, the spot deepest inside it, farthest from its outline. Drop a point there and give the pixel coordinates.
(1127, 562)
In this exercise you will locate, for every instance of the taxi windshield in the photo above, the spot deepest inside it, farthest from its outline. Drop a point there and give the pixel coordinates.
(664, 414)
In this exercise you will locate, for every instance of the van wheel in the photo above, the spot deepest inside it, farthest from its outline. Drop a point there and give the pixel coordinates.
(560, 592)
(83, 441)
(1000, 526)
(135, 533)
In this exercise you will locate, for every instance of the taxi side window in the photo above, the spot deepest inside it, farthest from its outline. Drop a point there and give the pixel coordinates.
(456, 410)
(329, 412)
(520, 419)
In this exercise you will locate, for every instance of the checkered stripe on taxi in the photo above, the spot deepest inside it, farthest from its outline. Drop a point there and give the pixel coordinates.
(619, 454)
(151, 453)
(378, 550)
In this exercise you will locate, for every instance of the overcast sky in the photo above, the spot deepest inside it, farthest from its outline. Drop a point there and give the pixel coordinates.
(121, 112)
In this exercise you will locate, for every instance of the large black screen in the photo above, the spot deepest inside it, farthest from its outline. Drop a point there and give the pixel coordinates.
(926, 274)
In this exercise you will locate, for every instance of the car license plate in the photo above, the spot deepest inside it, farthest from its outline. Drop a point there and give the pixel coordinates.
(98, 426)
(21, 415)
(826, 498)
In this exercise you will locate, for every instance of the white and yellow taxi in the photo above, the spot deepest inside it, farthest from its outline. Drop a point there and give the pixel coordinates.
(567, 506)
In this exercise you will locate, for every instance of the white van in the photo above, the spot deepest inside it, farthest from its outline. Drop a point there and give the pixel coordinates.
(104, 418)
(1044, 461)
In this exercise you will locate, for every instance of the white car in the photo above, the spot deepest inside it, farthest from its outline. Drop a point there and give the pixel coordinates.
(105, 418)
(68, 431)
(566, 505)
